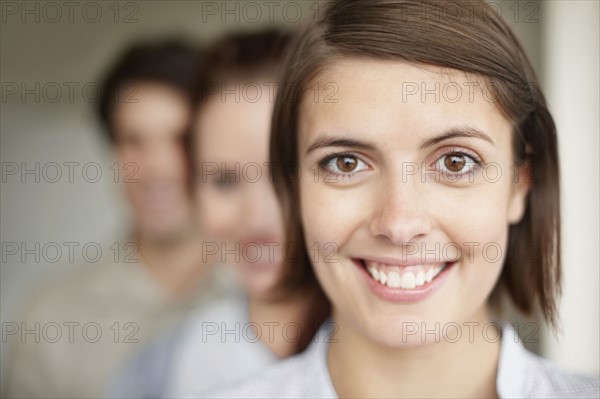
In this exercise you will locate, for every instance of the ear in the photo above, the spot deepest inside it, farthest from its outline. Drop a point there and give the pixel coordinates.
(521, 181)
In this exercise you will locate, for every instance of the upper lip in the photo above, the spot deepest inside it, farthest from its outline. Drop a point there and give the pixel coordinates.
(412, 261)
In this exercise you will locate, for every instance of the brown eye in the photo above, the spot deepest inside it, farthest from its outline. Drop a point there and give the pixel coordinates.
(346, 164)
(343, 165)
(455, 162)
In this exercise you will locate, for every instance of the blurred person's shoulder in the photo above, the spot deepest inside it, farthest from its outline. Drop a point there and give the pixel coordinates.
(116, 287)
(87, 285)
(79, 303)
(157, 367)
(304, 375)
(522, 373)
(218, 348)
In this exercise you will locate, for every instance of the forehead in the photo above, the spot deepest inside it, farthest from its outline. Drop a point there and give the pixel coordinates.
(232, 131)
(150, 107)
(399, 99)
(142, 97)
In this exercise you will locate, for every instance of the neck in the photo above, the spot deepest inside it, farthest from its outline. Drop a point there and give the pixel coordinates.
(466, 368)
(277, 314)
(176, 263)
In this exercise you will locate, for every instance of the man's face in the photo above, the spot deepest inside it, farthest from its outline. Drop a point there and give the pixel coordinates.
(149, 127)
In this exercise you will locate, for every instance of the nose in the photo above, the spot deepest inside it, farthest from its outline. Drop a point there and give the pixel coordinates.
(261, 211)
(400, 214)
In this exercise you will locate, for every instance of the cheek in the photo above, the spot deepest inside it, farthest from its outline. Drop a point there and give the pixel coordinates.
(478, 215)
(329, 216)
(129, 162)
(135, 165)
(478, 226)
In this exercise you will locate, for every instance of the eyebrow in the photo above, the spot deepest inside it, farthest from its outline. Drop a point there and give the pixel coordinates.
(325, 142)
(458, 132)
(337, 142)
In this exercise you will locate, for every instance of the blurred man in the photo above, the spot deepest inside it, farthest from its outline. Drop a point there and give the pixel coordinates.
(107, 312)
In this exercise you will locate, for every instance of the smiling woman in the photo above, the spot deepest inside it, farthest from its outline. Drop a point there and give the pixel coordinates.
(387, 214)
(439, 200)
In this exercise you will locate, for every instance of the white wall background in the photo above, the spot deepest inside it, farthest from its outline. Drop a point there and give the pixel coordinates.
(571, 73)
(561, 37)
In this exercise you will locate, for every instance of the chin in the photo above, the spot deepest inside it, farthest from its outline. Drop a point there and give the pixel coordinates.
(400, 333)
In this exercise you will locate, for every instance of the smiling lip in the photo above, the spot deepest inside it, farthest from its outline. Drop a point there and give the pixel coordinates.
(396, 293)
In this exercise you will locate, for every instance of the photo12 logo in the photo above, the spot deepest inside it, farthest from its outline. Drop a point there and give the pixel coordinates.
(252, 12)
(70, 332)
(52, 12)
(68, 171)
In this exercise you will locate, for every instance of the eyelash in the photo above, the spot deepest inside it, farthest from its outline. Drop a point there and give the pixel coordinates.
(328, 159)
(476, 162)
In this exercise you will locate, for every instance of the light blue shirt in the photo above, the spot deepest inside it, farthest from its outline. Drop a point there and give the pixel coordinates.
(521, 374)
(213, 349)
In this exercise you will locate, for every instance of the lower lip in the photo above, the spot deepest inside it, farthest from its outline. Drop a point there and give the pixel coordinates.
(400, 295)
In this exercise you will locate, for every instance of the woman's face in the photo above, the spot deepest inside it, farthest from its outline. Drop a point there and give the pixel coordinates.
(237, 205)
(410, 224)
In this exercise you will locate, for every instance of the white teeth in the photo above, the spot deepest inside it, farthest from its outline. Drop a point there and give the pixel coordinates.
(395, 277)
(374, 272)
(382, 277)
(420, 280)
(393, 280)
(429, 275)
(408, 280)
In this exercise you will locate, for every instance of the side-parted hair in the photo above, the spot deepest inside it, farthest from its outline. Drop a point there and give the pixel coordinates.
(457, 34)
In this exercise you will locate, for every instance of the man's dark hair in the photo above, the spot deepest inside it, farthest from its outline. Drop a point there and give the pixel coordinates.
(171, 62)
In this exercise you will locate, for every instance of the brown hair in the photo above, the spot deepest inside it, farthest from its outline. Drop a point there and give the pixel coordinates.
(239, 56)
(461, 35)
(243, 56)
